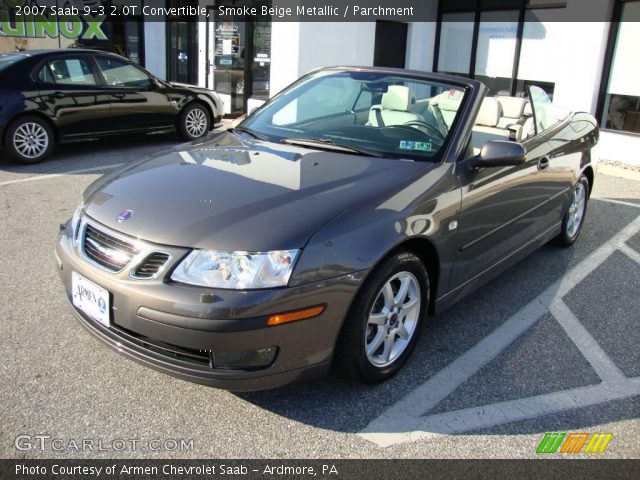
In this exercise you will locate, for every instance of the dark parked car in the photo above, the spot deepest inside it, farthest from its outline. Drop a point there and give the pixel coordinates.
(74, 94)
(324, 227)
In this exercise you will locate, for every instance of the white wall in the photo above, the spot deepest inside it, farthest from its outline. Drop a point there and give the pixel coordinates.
(155, 48)
(297, 48)
(580, 69)
(325, 44)
(285, 48)
(619, 147)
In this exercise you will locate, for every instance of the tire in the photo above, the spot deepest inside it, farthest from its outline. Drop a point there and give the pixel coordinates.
(29, 140)
(194, 121)
(576, 213)
(356, 353)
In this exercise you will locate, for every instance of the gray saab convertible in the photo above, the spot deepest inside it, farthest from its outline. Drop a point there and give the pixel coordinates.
(325, 227)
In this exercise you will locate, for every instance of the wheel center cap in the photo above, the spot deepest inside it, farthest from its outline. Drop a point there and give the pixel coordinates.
(393, 320)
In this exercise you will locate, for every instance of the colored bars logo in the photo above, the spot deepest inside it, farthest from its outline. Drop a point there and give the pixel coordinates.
(574, 442)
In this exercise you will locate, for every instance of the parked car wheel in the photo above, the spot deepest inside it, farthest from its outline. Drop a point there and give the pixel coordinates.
(574, 218)
(29, 140)
(384, 322)
(194, 122)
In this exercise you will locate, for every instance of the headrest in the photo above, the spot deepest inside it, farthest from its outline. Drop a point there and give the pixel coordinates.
(449, 100)
(398, 97)
(490, 113)
(512, 107)
(528, 111)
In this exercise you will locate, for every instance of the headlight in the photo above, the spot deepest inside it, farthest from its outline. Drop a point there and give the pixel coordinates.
(75, 220)
(236, 270)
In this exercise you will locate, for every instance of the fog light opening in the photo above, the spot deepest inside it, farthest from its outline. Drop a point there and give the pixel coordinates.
(245, 359)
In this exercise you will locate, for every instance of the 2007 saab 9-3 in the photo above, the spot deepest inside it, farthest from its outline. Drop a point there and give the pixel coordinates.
(325, 227)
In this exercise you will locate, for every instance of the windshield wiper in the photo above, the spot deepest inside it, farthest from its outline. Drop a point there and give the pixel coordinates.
(250, 132)
(327, 144)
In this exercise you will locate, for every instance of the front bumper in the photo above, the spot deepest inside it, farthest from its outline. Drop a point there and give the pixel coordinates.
(167, 326)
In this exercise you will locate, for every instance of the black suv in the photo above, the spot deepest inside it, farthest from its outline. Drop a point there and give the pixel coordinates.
(73, 94)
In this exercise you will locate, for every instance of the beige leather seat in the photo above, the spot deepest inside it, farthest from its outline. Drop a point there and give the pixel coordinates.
(513, 116)
(395, 108)
(486, 127)
(512, 111)
(445, 106)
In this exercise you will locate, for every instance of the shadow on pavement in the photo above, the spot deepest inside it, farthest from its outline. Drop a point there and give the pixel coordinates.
(341, 405)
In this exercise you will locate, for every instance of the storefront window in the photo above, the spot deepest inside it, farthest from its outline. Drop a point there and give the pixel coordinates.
(496, 50)
(124, 34)
(494, 42)
(456, 40)
(540, 59)
(229, 59)
(180, 51)
(239, 55)
(261, 64)
(622, 101)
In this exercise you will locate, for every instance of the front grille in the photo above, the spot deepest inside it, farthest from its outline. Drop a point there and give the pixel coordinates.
(151, 265)
(200, 358)
(107, 251)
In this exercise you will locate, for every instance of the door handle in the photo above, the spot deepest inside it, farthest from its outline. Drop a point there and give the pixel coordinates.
(543, 163)
(118, 95)
(58, 94)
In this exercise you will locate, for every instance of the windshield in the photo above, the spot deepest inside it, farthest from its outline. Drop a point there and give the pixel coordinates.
(7, 59)
(391, 115)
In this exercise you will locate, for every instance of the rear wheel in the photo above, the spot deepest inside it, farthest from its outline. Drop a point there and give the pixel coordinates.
(29, 140)
(574, 218)
(384, 322)
(194, 122)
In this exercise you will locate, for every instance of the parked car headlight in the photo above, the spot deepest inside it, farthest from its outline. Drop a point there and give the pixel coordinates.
(236, 270)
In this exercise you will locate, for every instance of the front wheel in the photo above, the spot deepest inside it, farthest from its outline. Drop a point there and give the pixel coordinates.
(194, 122)
(29, 140)
(384, 322)
(574, 218)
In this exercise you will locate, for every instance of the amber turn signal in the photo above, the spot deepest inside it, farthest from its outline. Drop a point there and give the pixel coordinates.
(295, 316)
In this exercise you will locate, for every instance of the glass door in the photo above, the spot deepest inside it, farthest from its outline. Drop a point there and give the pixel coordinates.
(227, 44)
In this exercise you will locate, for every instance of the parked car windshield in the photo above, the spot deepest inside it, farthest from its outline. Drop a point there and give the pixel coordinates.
(390, 115)
(7, 59)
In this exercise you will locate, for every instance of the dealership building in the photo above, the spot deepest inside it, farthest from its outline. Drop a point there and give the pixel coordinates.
(591, 65)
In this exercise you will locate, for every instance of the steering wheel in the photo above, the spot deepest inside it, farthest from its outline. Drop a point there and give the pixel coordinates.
(427, 126)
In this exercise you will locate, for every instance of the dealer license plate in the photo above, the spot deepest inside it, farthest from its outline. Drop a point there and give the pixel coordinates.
(90, 298)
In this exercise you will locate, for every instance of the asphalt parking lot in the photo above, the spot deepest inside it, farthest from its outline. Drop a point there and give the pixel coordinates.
(552, 345)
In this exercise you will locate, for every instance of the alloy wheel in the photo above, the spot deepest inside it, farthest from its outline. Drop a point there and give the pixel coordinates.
(31, 140)
(393, 319)
(576, 210)
(196, 122)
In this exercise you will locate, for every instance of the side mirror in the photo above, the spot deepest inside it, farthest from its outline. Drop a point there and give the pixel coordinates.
(499, 153)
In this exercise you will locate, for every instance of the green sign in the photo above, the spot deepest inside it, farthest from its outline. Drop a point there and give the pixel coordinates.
(85, 27)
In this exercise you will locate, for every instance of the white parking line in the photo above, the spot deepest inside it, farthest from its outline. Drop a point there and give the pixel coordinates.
(631, 253)
(588, 346)
(619, 202)
(48, 176)
(487, 416)
(404, 421)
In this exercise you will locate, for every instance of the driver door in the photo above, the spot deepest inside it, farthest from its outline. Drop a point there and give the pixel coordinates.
(137, 102)
(503, 209)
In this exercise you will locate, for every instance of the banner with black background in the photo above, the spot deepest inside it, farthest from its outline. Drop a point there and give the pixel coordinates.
(320, 469)
(285, 10)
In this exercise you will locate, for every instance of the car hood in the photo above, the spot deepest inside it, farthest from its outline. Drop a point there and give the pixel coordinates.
(233, 194)
(192, 88)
